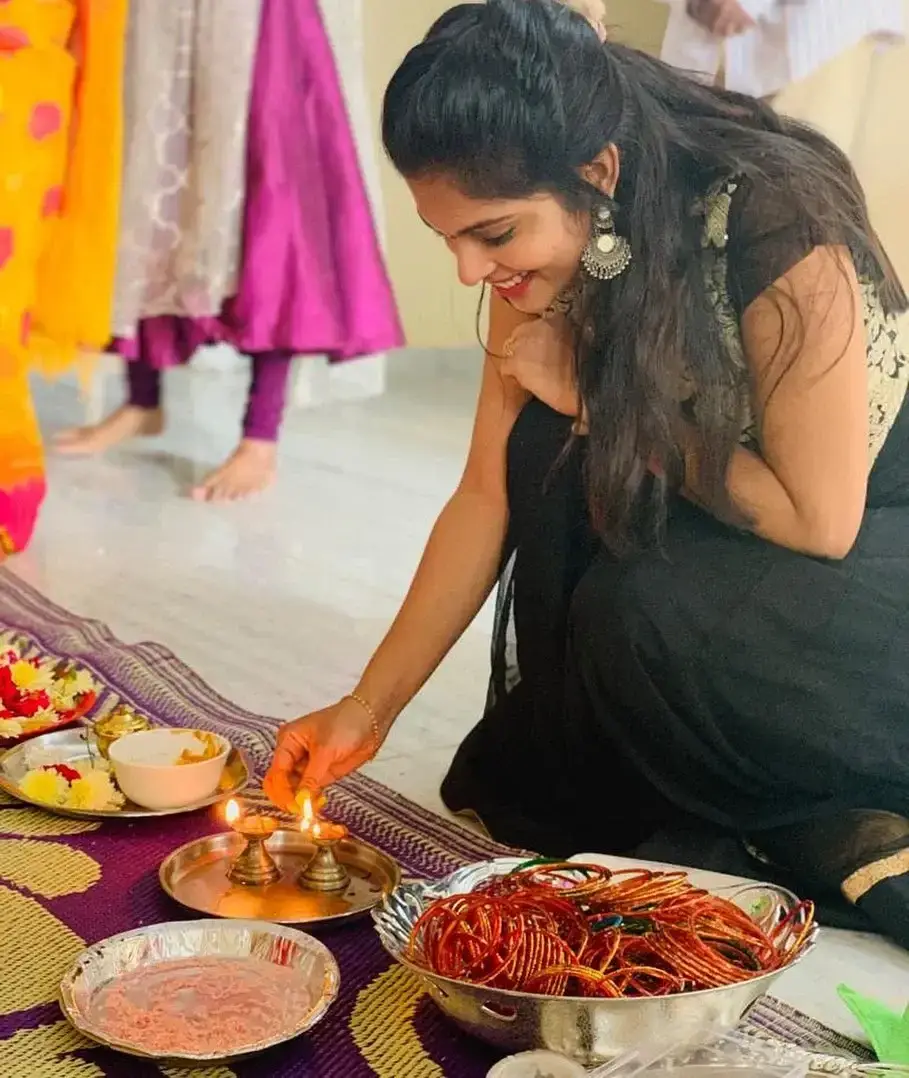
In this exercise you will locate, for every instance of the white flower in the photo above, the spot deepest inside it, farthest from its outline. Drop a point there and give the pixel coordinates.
(69, 686)
(45, 716)
(88, 765)
(80, 681)
(62, 698)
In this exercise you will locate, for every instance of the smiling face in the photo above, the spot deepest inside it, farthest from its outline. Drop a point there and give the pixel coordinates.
(527, 249)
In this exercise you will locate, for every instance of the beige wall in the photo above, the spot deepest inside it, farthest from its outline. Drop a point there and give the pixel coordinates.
(436, 309)
(641, 23)
(855, 100)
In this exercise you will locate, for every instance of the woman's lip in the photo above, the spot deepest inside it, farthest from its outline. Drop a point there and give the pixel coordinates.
(515, 289)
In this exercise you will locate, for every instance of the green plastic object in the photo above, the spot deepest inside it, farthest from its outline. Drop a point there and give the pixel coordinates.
(887, 1030)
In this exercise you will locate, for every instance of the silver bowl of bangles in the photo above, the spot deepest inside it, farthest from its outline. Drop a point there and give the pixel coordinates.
(587, 961)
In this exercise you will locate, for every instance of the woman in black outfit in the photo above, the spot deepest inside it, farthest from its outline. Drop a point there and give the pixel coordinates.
(689, 471)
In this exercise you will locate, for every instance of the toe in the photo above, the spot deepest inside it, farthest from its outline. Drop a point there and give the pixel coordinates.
(76, 440)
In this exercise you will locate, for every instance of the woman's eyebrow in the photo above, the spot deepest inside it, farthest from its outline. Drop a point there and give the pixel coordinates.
(478, 227)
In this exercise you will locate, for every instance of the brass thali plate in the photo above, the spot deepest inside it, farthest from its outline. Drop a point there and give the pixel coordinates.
(72, 746)
(195, 875)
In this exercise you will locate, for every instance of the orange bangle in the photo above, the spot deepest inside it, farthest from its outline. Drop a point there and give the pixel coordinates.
(373, 718)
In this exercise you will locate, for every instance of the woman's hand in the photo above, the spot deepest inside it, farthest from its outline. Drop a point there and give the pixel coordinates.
(539, 356)
(725, 18)
(318, 749)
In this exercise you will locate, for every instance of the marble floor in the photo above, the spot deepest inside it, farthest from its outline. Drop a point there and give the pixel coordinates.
(278, 602)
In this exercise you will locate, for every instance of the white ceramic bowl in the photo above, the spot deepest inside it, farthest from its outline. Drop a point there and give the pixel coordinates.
(145, 768)
(535, 1064)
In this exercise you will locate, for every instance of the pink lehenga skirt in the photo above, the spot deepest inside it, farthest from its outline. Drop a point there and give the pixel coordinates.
(309, 276)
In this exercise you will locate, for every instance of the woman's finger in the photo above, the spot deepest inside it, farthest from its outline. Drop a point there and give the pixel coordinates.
(733, 20)
(732, 25)
(280, 785)
(271, 785)
(289, 730)
(703, 13)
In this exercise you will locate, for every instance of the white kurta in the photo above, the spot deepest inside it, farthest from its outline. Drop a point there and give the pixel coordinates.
(189, 74)
(792, 40)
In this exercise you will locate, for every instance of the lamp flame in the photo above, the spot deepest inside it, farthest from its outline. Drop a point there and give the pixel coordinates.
(308, 821)
(232, 812)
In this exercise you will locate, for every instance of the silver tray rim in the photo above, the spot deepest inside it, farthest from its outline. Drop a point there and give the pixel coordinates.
(9, 743)
(127, 813)
(330, 992)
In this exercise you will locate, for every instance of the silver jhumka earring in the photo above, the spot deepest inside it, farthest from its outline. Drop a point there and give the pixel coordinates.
(607, 254)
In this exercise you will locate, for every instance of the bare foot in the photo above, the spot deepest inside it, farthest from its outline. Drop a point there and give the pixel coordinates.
(120, 426)
(250, 468)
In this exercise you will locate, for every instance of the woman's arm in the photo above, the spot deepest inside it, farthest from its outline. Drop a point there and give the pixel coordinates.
(461, 560)
(805, 344)
(455, 576)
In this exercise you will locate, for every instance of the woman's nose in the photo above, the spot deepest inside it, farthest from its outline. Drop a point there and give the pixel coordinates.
(474, 264)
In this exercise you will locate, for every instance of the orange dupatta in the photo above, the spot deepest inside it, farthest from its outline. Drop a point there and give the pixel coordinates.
(60, 126)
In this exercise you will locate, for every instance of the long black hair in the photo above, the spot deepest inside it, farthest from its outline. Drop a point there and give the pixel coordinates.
(512, 98)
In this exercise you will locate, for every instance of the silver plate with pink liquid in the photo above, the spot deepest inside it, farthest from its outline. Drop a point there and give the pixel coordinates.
(119, 957)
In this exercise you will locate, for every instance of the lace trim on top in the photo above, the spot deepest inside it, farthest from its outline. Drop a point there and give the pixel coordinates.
(888, 368)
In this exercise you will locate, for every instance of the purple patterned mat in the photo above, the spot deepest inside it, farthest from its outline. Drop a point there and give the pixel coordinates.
(65, 883)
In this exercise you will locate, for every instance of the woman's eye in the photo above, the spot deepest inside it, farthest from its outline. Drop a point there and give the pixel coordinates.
(499, 241)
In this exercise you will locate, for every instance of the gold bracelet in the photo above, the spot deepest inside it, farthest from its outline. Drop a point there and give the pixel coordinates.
(373, 718)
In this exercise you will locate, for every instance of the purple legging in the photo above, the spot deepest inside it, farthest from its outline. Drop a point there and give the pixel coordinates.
(264, 402)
